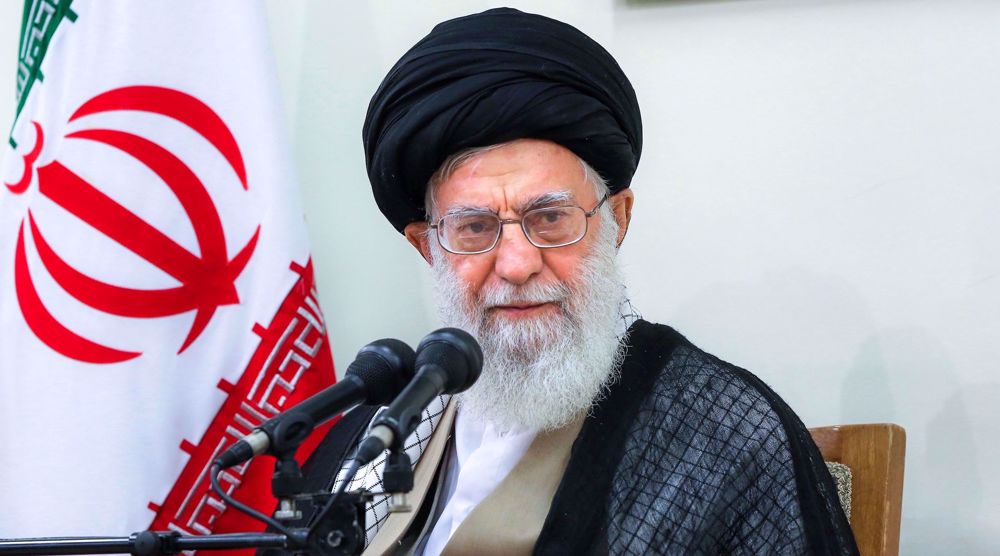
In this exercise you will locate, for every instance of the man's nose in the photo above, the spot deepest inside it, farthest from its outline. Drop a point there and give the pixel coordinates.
(517, 260)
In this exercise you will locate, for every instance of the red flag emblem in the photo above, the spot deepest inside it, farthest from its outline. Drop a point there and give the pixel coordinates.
(207, 279)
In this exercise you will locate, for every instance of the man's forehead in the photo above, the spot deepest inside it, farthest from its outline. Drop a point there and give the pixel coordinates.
(507, 195)
(518, 204)
(515, 176)
(527, 156)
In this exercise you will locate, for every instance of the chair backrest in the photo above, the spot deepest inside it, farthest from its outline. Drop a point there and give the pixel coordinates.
(875, 453)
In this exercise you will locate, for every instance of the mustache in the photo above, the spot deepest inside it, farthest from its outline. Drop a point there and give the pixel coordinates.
(527, 294)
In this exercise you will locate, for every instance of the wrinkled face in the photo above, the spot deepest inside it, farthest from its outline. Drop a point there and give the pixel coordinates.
(548, 319)
(509, 180)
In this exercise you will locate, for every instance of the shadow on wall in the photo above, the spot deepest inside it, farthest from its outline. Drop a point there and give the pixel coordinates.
(954, 484)
(362, 299)
(813, 338)
(908, 374)
(867, 385)
(795, 328)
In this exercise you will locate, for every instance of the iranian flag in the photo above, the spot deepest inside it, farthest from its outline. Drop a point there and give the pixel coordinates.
(156, 292)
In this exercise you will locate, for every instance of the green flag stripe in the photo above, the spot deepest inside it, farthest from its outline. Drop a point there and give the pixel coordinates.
(38, 24)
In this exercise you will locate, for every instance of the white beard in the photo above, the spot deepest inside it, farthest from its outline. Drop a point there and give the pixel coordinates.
(541, 373)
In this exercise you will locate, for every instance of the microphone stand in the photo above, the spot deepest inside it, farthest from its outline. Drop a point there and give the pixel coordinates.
(397, 479)
(337, 530)
(146, 543)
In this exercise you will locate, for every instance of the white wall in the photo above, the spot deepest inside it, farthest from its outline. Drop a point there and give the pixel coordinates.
(816, 202)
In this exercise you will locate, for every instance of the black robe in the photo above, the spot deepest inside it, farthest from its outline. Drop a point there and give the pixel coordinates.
(686, 454)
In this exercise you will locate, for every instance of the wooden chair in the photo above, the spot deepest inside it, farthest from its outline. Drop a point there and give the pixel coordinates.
(875, 455)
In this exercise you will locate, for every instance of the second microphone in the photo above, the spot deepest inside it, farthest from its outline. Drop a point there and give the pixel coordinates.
(448, 361)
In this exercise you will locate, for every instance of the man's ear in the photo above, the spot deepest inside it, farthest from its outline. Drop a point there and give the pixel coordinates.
(621, 206)
(416, 234)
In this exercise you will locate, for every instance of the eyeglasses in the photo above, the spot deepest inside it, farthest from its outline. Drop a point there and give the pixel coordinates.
(471, 233)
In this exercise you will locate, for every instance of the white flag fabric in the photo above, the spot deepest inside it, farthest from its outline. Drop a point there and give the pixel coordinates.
(156, 289)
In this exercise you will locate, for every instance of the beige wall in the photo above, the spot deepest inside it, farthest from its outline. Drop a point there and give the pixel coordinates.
(817, 202)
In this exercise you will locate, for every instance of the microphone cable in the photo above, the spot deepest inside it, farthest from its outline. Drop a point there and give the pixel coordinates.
(352, 470)
(213, 475)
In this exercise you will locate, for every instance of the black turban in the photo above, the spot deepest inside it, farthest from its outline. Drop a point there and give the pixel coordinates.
(489, 78)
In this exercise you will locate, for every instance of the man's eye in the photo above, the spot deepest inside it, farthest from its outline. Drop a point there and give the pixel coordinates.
(475, 226)
(548, 218)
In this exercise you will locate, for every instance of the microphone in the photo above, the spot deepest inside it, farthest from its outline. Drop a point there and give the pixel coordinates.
(448, 361)
(378, 373)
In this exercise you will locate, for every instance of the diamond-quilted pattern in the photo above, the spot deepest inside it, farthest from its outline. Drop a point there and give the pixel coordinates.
(705, 470)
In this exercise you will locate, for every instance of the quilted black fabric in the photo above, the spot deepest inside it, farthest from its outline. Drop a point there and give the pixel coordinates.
(691, 455)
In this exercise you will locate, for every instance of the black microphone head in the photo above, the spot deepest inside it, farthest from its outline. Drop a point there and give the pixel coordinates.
(384, 367)
(457, 352)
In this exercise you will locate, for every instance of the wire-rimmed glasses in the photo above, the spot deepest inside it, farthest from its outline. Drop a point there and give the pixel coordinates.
(474, 232)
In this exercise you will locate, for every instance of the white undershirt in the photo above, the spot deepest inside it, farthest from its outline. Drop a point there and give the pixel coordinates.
(481, 459)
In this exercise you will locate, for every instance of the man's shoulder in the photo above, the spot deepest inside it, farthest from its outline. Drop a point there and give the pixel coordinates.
(705, 391)
(712, 440)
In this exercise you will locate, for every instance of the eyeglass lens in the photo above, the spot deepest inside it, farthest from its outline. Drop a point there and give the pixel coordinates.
(544, 227)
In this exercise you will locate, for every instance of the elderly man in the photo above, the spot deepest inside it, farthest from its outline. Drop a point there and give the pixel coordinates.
(502, 146)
